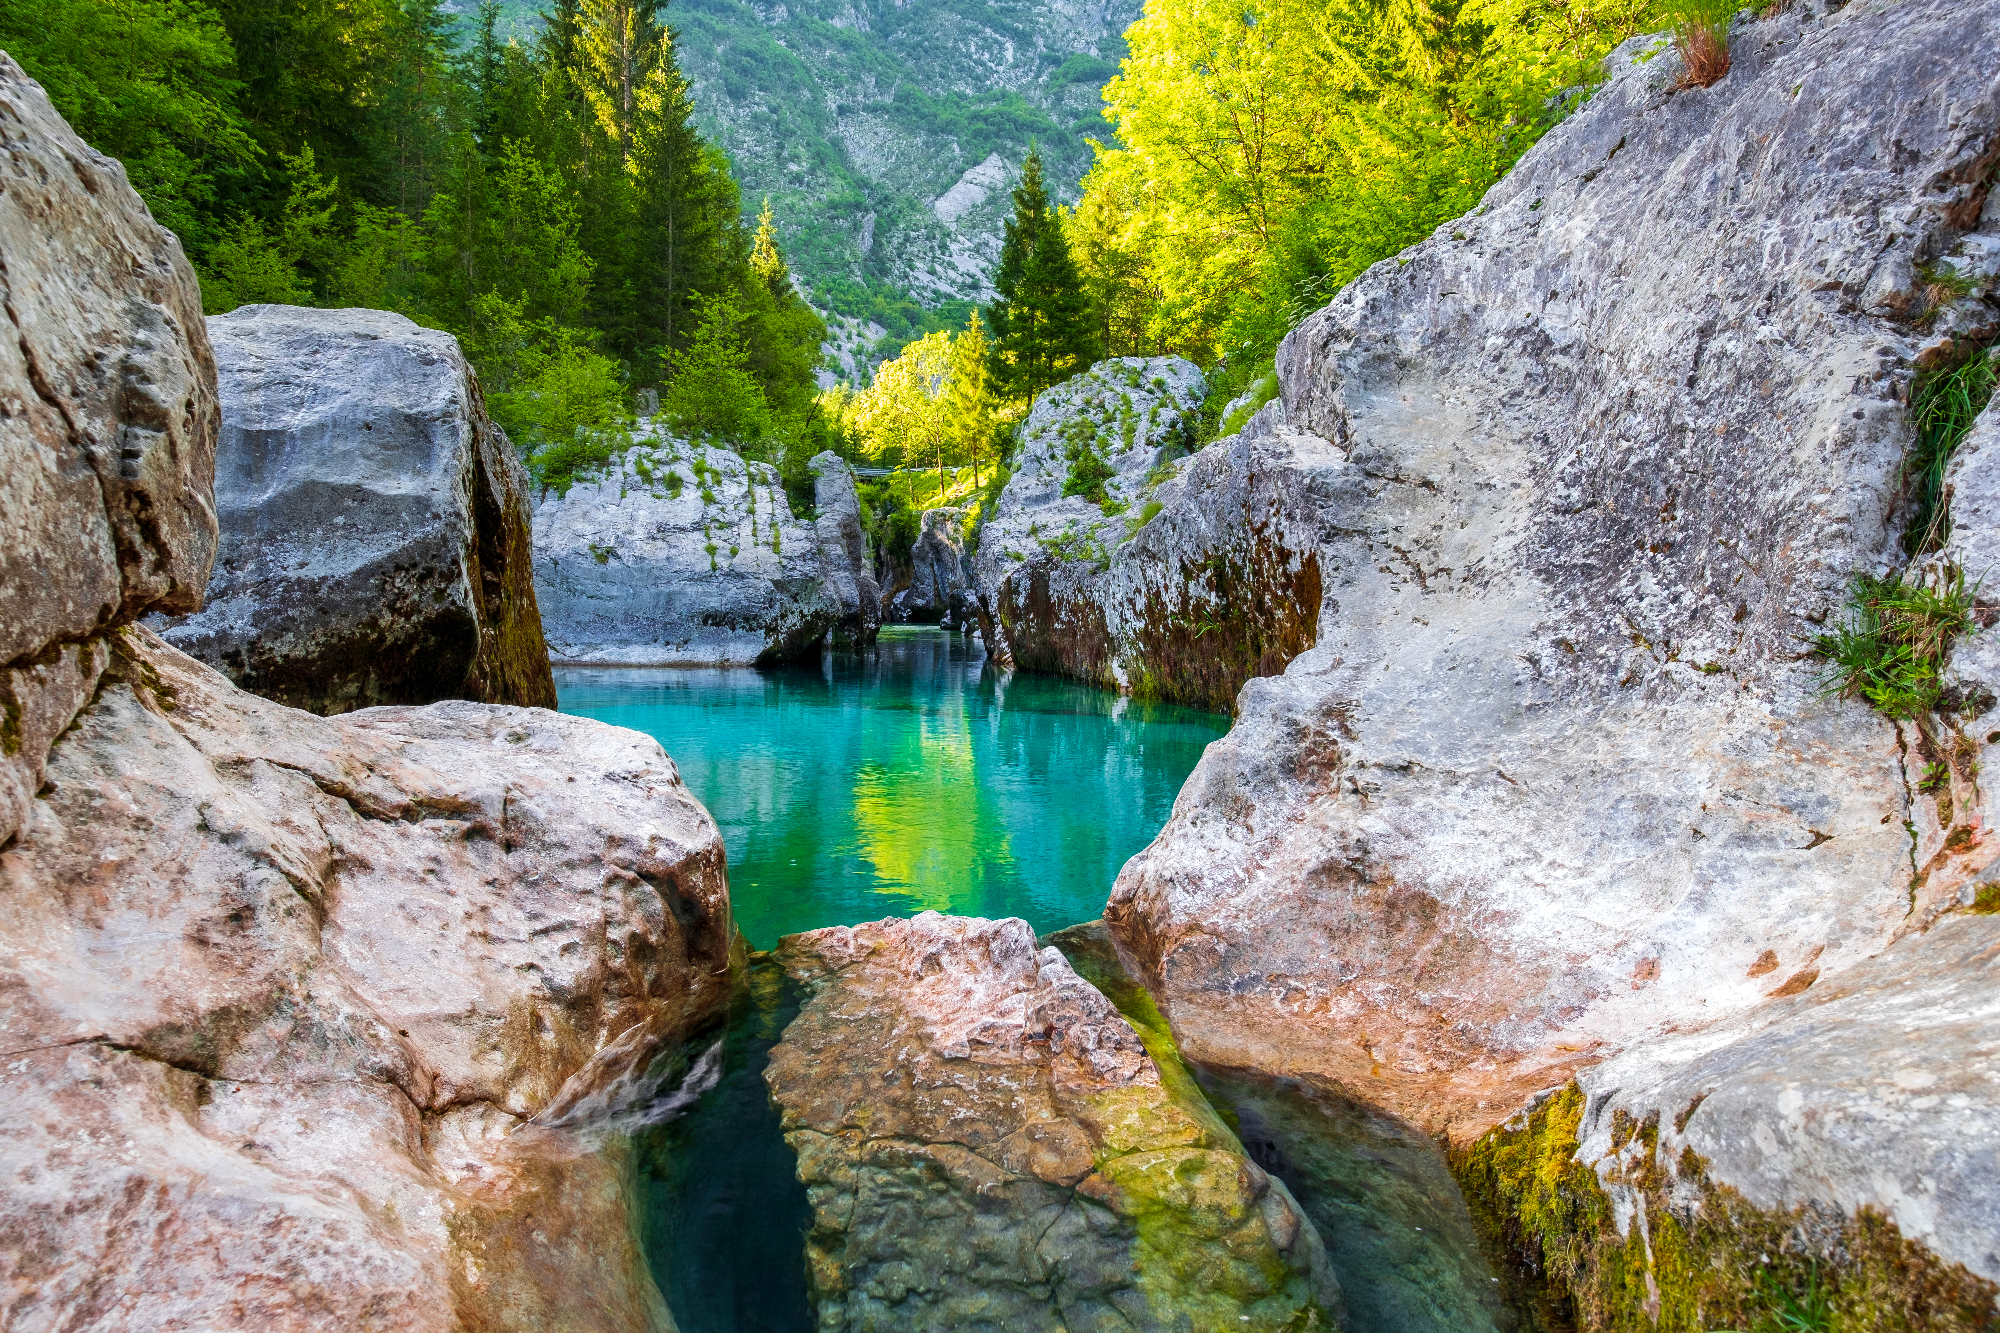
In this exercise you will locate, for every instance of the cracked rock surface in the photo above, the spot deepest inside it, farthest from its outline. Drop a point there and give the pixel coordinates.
(987, 1144)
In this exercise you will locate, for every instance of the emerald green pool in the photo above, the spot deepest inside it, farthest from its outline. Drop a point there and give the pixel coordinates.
(909, 776)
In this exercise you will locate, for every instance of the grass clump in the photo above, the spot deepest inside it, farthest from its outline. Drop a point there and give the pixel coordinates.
(1890, 653)
(1701, 39)
(1944, 403)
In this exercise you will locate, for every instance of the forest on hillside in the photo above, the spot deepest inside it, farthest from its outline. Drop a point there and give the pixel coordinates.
(551, 202)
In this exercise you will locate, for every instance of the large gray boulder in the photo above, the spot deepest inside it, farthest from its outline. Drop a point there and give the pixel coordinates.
(107, 427)
(309, 1022)
(682, 554)
(843, 544)
(1579, 477)
(939, 590)
(374, 520)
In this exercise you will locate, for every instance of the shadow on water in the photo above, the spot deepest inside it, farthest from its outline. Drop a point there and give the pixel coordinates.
(724, 1216)
(1395, 1224)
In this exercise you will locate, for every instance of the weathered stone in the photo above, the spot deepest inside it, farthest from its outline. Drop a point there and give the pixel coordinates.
(987, 1144)
(939, 590)
(1042, 554)
(294, 1009)
(680, 555)
(1873, 1089)
(375, 545)
(107, 426)
(1582, 474)
(843, 545)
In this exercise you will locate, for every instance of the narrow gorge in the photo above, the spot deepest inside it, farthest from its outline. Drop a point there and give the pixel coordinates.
(1485, 833)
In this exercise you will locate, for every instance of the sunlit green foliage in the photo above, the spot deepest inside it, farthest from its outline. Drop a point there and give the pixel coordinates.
(1943, 405)
(1890, 650)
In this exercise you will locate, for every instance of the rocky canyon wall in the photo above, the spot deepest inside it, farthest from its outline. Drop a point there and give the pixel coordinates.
(305, 1022)
(1554, 783)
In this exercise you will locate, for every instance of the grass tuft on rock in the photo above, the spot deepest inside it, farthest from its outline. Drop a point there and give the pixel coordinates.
(1890, 652)
(1944, 402)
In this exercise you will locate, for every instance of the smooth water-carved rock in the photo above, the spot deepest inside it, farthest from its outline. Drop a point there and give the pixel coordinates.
(375, 544)
(306, 1022)
(682, 555)
(939, 590)
(986, 1143)
(293, 1007)
(843, 545)
(1587, 469)
(107, 427)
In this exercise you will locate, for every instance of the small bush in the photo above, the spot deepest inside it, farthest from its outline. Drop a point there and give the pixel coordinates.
(1087, 474)
(1892, 649)
(1704, 52)
(1943, 405)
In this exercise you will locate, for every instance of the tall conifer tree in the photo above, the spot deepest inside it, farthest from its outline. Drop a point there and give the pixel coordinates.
(1042, 326)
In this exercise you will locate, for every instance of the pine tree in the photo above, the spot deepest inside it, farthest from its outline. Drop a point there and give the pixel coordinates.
(1043, 328)
(710, 390)
(968, 408)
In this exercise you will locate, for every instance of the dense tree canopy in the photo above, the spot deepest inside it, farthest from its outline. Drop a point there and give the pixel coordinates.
(552, 204)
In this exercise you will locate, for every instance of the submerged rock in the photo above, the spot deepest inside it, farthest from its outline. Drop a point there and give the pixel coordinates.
(939, 590)
(296, 1009)
(987, 1144)
(107, 428)
(683, 555)
(843, 545)
(375, 545)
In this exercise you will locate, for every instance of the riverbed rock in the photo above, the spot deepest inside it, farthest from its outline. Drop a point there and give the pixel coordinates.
(107, 427)
(375, 545)
(681, 554)
(939, 591)
(843, 545)
(1582, 474)
(1042, 553)
(986, 1143)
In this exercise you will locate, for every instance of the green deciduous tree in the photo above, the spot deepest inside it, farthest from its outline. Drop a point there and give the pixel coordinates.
(710, 390)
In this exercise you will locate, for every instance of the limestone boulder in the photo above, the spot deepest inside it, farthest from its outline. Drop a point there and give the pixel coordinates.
(1042, 553)
(986, 1142)
(296, 1010)
(681, 554)
(843, 545)
(1579, 477)
(107, 427)
(939, 590)
(375, 545)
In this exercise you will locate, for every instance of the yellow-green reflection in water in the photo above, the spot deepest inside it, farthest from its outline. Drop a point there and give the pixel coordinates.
(908, 776)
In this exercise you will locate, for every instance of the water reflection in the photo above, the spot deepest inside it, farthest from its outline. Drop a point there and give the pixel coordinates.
(908, 776)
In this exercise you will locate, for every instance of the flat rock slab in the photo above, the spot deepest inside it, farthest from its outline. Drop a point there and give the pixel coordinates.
(987, 1145)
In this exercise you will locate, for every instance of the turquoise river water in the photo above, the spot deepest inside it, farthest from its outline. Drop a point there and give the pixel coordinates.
(913, 775)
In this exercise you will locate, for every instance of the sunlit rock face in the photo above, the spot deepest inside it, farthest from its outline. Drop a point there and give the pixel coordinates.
(308, 1023)
(681, 554)
(1176, 577)
(375, 543)
(1582, 474)
(987, 1143)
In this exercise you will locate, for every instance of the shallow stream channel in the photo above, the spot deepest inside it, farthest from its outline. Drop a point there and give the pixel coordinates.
(914, 775)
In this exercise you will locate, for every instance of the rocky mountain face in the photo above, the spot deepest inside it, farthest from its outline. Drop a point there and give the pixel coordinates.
(686, 555)
(308, 1022)
(1535, 775)
(374, 521)
(988, 1143)
(888, 137)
